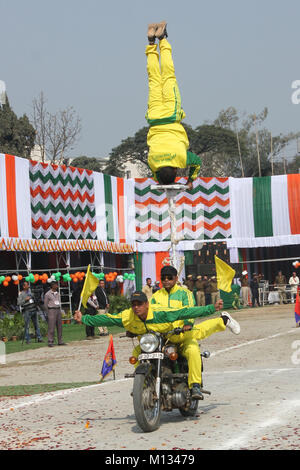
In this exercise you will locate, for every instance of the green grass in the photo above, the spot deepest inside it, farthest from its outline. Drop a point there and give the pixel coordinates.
(26, 390)
(72, 332)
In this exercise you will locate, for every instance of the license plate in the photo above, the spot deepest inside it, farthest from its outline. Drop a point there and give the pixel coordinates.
(156, 355)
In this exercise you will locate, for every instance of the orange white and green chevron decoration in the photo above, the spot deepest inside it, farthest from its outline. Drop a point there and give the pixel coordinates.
(46, 207)
(62, 202)
(202, 213)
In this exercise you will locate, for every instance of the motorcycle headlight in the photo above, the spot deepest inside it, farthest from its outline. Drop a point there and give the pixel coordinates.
(149, 343)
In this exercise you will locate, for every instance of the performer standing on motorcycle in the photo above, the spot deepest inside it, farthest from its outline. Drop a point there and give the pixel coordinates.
(141, 317)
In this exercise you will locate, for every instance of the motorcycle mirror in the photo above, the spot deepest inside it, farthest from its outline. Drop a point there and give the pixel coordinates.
(205, 354)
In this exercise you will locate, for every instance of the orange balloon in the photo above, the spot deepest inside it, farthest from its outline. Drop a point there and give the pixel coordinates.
(7, 279)
(20, 277)
(16, 283)
(5, 283)
(75, 279)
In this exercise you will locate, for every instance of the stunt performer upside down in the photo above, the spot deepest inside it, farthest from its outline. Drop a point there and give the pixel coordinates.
(167, 139)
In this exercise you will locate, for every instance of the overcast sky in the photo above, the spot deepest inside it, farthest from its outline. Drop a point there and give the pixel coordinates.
(89, 54)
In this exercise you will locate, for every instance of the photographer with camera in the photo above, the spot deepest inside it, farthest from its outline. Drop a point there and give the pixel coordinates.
(29, 310)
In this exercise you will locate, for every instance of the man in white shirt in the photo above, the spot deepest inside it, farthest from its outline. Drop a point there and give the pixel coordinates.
(294, 283)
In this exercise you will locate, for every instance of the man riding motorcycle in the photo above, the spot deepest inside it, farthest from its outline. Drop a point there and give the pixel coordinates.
(141, 318)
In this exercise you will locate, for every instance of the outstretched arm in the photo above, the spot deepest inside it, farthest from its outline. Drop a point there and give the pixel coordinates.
(99, 320)
(194, 162)
(187, 313)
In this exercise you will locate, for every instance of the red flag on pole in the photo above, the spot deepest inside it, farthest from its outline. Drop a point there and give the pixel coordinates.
(109, 362)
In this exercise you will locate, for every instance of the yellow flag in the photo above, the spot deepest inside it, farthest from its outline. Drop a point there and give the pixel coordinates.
(90, 285)
(225, 274)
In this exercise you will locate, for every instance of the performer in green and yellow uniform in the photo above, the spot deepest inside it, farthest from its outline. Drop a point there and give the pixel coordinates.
(167, 139)
(141, 317)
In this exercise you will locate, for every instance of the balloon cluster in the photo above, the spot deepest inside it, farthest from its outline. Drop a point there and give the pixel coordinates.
(5, 280)
(130, 276)
(78, 276)
(296, 264)
(114, 276)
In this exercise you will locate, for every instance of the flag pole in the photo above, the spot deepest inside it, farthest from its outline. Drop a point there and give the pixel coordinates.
(85, 281)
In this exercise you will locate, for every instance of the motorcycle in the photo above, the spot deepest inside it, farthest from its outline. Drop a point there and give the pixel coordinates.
(161, 380)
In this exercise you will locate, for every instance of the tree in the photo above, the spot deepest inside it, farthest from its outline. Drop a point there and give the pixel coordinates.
(17, 135)
(89, 163)
(133, 149)
(56, 133)
(204, 140)
(260, 151)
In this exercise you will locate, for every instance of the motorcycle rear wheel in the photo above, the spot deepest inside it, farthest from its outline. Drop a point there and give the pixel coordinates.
(146, 408)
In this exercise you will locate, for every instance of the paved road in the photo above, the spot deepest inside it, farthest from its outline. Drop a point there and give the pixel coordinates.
(255, 401)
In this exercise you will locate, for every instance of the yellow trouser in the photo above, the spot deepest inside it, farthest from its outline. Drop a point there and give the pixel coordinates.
(189, 347)
(164, 96)
(167, 139)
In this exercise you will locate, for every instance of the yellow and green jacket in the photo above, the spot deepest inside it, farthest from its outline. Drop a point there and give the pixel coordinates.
(157, 320)
(177, 298)
(168, 144)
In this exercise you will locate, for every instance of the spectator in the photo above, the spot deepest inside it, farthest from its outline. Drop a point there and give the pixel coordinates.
(254, 284)
(280, 283)
(92, 309)
(52, 304)
(147, 289)
(190, 282)
(200, 291)
(215, 293)
(29, 310)
(294, 283)
(103, 304)
(156, 287)
(207, 291)
(245, 288)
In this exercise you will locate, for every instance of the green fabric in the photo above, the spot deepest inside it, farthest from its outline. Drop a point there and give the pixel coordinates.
(108, 208)
(228, 297)
(194, 162)
(138, 262)
(188, 257)
(262, 207)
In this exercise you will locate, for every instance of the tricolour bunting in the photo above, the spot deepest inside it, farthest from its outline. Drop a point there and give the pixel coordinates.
(15, 213)
(115, 208)
(62, 202)
(201, 213)
(265, 211)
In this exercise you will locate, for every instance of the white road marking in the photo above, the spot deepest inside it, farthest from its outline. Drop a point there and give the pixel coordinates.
(49, 396)
(252, 342)
(278, 420)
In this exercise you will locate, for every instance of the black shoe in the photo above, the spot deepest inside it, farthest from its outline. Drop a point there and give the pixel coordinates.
(40, 340)
(51, 345)
(62, 344)
(196, 392)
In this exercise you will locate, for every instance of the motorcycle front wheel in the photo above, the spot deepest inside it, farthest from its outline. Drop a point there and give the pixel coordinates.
(147, 408)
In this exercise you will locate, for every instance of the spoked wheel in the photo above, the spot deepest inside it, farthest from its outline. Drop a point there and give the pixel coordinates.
(191, 410)
(146, 407)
